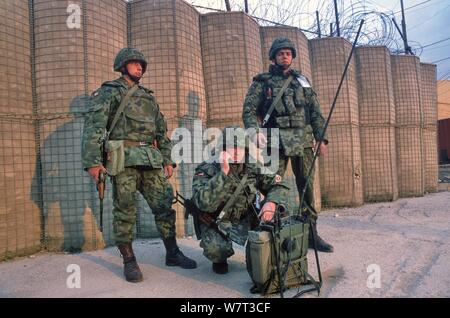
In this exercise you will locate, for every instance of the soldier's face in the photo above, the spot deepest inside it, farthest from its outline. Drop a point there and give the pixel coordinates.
(237, 154)
(284, 57)
(135, 69)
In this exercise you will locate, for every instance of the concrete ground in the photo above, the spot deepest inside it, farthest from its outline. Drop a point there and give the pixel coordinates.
(406, 242)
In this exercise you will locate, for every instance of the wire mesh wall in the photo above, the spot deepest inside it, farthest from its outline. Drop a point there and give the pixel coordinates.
(301, 62)
(200, 67)
(19, 216)
(428, 91)
(408, 114)
(340, 170)
(168, 33)
(377, 124)
(70, 63)
(231, 49)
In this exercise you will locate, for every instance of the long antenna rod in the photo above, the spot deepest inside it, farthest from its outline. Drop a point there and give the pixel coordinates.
(329, 116)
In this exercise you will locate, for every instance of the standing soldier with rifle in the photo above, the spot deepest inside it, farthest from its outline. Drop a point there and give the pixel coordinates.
(125, 136)
(283, 98)
(224, 192)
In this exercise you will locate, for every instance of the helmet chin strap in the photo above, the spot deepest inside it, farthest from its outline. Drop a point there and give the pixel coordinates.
(135, 79)
(284, 67)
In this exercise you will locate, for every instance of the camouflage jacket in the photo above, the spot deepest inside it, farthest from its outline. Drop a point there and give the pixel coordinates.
(211, 189)
(298, 115)
(141, 120)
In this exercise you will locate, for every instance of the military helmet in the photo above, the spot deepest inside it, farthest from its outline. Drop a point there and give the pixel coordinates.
(128, 54)
(281, 43)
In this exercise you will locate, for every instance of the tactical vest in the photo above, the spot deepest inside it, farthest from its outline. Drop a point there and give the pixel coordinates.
(292, 114)
(293, 111)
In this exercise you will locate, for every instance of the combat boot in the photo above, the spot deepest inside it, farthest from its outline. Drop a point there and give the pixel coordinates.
(174, 257)
(321, 245)
(131, 270)
(220, 268)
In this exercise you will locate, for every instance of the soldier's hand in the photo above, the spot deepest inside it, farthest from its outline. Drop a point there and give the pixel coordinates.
(224, 159)
(168, 171)
(260, 140)
(267, 211)
(95, 171)
(323, 149)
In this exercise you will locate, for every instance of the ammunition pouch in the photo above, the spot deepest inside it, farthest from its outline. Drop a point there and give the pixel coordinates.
(289, 122)
(115, 157)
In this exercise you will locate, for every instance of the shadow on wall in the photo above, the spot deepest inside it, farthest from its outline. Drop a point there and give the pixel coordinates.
(67, 196)
(186, 170)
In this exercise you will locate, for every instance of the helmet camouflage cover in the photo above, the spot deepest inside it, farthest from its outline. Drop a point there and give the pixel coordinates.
(281, 43)
(127, 55)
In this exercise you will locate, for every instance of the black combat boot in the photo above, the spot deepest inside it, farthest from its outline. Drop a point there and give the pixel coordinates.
(220, 268)
(174, 257)
(321, 245)
(131, 269)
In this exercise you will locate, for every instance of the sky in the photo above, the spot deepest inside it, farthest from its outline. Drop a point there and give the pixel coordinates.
(427, 21)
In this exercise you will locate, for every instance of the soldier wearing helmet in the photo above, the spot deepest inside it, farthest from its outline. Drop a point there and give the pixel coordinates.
(296, 114)
(226, 188)
(138, 157)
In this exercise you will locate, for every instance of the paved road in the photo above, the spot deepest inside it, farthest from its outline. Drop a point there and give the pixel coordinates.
(408, 241)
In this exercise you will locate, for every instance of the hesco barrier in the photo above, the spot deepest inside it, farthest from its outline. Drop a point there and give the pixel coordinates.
(377, 124)
(408, 114)
(55, 54)
(428, 90)
(20, 231)
(231, 49)
(340, 170)
(72, 58)
(168, 33)
(301, 62)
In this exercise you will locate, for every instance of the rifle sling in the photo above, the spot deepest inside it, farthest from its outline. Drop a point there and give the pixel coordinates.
(277, 100)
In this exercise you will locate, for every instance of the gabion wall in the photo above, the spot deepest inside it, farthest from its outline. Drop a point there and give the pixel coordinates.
(377, 124)
(340, 170)
(408, 114)
(200, 67)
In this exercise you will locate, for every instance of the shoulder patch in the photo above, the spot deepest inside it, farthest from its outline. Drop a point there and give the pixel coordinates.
(303, 80)
(278, 178)
(95, 93)
(200, 173)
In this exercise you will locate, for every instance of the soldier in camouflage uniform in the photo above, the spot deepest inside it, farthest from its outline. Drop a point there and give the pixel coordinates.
(297, 116)
(216, 182)
(147, 160)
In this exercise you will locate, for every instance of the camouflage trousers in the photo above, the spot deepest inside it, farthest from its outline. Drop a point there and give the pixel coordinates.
(300, 166)
(155, 189)
(215, 247)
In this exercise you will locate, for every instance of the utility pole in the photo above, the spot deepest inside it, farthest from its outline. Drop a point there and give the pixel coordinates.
(246, 6)
(337, 18)
(227, 5)
(405, 38)
(318, 24)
